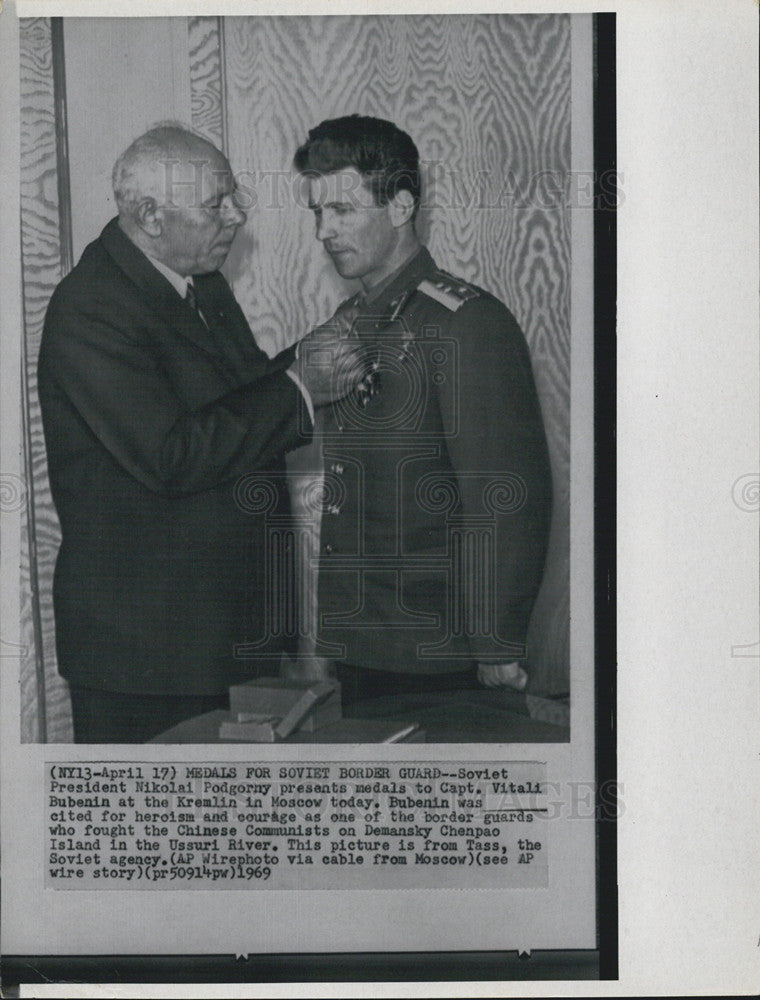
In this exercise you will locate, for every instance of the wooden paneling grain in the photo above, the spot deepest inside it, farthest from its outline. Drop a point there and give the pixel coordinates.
(41, 269)
(205, 55)
(487, 100)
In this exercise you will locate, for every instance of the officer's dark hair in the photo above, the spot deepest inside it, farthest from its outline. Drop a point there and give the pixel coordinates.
(380, 151)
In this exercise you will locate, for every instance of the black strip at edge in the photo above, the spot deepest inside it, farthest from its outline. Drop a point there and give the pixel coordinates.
(303, 968)
(63, 175)
(607, 195)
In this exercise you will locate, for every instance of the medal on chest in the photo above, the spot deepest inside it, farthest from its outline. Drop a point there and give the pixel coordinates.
(393, 390)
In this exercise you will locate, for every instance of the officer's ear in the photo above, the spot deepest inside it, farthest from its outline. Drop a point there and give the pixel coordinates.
(401, 208)
(148, 217)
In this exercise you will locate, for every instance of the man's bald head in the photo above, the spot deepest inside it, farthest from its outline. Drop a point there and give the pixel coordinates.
(176, 198)
(162, 164)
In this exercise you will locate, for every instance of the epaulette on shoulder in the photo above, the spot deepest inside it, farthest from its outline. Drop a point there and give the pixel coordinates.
(449, 291)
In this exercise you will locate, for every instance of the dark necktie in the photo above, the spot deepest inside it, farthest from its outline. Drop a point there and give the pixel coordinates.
(221, 352)
(192, 300)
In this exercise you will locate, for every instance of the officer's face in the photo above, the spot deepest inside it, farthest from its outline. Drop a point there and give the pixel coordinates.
(199, 215)
(358, 234)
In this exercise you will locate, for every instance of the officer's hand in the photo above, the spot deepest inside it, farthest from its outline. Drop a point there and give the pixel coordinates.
(492, 675)
(307, 668)
(331, 361)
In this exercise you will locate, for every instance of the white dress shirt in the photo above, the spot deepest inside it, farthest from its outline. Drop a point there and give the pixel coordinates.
(180, 282)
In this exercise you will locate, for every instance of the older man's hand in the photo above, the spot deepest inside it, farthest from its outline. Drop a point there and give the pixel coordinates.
(331, 360)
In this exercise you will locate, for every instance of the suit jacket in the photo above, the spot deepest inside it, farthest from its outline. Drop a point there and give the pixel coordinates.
(152, 421)
(438, 492)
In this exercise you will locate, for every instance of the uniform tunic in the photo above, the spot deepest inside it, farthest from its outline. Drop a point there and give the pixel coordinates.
(437, 494)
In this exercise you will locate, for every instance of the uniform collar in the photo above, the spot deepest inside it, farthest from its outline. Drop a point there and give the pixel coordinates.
(408, 276)
(377, 290)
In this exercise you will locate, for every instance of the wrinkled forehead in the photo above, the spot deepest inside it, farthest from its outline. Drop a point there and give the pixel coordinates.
(342, 187)
(191, 180)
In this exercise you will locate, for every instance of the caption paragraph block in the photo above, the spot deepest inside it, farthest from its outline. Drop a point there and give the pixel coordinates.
(431, 824)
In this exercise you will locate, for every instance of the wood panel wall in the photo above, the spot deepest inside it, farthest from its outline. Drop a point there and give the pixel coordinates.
(207, 86)
(486, 98)
(41, 270)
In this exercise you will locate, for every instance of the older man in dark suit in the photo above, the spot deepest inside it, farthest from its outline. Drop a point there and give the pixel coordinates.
(156, 400)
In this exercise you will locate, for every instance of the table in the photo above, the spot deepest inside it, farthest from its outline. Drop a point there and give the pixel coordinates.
(470, 716)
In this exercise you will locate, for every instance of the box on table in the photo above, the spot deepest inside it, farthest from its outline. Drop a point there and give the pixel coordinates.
(267, 709)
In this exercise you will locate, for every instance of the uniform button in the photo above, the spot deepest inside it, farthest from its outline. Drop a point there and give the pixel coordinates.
(328, 549)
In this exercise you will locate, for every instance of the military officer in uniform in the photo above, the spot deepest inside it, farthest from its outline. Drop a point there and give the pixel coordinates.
(437, 493)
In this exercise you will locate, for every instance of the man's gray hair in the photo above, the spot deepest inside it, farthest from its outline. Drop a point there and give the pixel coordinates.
(164, 143)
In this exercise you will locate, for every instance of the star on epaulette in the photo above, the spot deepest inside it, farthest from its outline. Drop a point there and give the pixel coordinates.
(449, 291)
